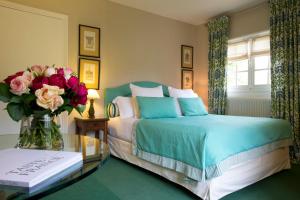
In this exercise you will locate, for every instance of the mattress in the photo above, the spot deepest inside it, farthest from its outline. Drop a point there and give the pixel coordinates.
(121, 128)
(235, 178)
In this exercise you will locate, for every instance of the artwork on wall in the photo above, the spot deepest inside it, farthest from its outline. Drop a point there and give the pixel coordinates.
(187, 56)
(89, 41)
(89, 72)
(187, 79)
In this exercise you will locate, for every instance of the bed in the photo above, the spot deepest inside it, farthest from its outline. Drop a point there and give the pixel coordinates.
(237, 171)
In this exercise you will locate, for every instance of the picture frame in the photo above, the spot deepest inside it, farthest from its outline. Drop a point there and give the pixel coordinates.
(89, 41)
(187, 56)
(187, 79)
(89, 72)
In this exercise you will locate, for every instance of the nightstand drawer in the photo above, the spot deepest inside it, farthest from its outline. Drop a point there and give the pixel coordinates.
(94, 126)
(84, 125)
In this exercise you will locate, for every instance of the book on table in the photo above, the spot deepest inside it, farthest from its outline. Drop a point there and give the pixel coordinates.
(28, 168)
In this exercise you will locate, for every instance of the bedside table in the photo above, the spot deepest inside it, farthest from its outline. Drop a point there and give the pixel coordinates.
(84, 125)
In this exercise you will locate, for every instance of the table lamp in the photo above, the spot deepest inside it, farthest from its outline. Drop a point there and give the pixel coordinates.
(92, 94)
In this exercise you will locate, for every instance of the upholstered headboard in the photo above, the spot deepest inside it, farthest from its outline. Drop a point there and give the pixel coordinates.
(111, 93)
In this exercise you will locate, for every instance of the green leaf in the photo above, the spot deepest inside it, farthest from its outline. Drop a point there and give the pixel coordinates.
(5, 94)
(29, 98)
(68, 108)
(80, 109)
(16, 99)
(15, 111)
(27, 110)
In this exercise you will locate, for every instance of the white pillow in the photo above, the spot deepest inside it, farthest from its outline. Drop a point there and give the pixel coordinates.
(184, 93)
(125, 106)
(178, 93)
(146, 92)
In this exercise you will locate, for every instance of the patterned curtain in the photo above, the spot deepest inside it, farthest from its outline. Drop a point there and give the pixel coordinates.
(218, 30)
(285, 59)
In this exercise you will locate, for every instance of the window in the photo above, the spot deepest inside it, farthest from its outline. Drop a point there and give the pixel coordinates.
(248, 68)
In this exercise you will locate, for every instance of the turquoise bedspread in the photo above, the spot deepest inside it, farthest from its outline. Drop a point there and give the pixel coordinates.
(202, 147)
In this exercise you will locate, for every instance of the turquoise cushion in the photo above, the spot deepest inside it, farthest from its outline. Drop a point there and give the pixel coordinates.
(192, 106)
(156, 107)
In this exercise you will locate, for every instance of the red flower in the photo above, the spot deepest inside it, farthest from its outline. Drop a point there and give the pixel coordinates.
(73, 83)
(60, 71)
(11, 77)
(38, 82)
(81, 95)
(82, 91)
(57, 80)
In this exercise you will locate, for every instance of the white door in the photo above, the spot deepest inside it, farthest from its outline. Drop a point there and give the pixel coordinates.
(29, 36)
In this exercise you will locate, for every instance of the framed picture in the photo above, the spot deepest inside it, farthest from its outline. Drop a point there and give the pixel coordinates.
(187, 56)
(187, 79)
(89, 41)
(89, 72)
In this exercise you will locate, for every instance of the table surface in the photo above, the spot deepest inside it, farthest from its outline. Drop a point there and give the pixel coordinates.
(95, 153)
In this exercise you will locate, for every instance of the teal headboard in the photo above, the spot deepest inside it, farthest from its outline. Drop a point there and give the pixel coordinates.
(124, 90)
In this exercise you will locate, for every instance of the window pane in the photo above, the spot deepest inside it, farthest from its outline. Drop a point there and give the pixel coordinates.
(242, 78)
(262, 62)
(237, 49)
(231, 74)
(242, 65)
(261, 44)
(262, 77)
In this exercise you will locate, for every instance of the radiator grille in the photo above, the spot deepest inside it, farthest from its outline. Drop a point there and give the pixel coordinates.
(258, 107)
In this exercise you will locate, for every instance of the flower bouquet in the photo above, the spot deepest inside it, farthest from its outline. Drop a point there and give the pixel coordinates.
(37, 96)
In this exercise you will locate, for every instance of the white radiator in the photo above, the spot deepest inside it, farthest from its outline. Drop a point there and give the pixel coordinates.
(256, 107)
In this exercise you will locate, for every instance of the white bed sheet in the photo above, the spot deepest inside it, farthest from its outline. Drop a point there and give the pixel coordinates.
(121, 127)
(237, 177)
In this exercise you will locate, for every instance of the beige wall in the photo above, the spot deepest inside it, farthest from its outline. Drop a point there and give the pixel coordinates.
(249, 21)
(135, 45)
(242, 23)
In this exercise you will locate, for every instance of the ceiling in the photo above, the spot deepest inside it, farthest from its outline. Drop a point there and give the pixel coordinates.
(190, 11)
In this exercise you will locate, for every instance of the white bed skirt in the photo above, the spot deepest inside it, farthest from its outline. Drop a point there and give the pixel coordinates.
(236, 178)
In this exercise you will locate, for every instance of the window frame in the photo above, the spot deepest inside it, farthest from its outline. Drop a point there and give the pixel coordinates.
(250, 90)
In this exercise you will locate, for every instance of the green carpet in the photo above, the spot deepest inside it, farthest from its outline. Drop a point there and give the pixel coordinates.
(117, 180)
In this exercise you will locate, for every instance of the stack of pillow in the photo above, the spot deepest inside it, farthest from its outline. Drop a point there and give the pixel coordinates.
(150, 103)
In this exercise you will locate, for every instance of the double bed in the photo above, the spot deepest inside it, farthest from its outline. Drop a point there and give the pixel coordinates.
(227, 161)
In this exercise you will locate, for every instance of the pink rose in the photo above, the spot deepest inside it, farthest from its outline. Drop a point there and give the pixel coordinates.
(28, 77)
(57, 80)
(19, 86)
(38, 70)
(68, 72)
(11, 77)
(38, 82)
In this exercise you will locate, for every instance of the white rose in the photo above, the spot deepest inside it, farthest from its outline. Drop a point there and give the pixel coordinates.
(48, 97)
(50, 71)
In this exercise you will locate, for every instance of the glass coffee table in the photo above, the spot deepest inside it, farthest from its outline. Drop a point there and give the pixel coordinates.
(94, 151)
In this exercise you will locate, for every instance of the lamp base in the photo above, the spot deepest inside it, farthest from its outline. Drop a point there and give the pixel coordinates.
(91, 109)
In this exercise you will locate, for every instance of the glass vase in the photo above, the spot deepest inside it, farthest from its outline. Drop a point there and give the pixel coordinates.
(40, 132)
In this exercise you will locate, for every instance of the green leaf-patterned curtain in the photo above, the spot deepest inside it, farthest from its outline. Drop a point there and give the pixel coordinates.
(285, 59)
(218, 30)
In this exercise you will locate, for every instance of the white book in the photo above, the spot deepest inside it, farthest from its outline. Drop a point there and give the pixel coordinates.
(27, 168)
